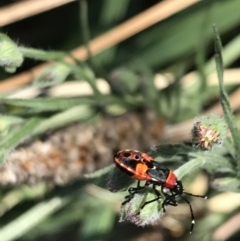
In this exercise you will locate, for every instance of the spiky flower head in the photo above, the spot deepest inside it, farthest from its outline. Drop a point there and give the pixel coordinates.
(148, 215)
(10, 56)
(209, 131)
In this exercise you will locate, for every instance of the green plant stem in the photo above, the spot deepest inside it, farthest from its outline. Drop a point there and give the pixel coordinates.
(84, 72)
(224, 97)
(86, 39)
(190, 166)
(41, 55)
(208, 161)
(84, 26)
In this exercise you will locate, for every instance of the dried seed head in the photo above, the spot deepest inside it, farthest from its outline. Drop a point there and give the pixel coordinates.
(141, 217)
(209, 131)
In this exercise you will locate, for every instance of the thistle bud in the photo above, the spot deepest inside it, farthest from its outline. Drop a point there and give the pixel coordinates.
(209, 131)
(52, 75)
(124, 81)
(148, 215)
(10, 56)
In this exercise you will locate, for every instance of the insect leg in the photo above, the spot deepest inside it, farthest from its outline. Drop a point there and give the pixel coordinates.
(169, 199)
(153, 200)
(133, 190)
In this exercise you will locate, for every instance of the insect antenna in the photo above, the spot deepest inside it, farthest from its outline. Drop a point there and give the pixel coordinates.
(190, 206)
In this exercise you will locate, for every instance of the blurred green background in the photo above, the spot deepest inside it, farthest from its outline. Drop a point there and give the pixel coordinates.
(141, 92)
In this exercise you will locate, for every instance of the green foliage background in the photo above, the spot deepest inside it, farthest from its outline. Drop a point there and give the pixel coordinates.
(179, 44)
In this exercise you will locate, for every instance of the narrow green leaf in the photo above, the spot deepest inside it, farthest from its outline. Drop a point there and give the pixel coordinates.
(226, 184)
(17, 195)
(17, 137)
(77, 113)
(8, 121)
(113, 11)
(48, 104)
(105, 217)
(99, 172)
(31, 218)
(224, 97)
(170, 150)
(231, 53)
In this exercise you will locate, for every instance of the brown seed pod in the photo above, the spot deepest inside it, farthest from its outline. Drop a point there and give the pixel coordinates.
(78, 149)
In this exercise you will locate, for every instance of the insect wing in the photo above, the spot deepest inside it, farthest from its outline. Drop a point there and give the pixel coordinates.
(118, 180)
(158, 172)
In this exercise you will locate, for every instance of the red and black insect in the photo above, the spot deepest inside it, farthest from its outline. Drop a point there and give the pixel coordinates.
(142, 167)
